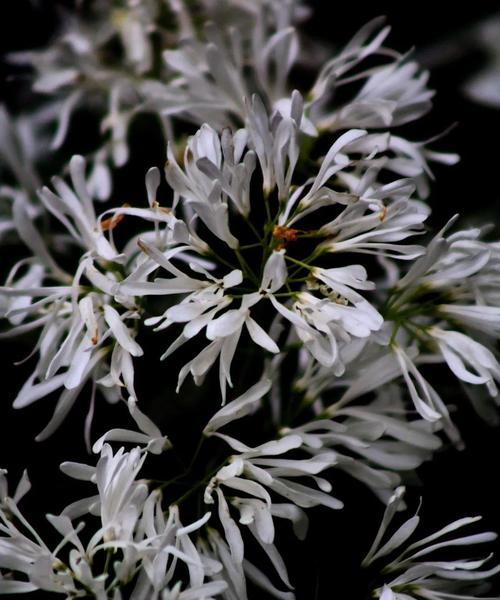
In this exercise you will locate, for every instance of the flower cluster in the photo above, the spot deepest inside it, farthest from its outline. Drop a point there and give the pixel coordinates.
(288, 235)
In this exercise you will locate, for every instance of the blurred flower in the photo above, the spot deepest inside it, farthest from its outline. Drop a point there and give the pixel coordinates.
(484, 86)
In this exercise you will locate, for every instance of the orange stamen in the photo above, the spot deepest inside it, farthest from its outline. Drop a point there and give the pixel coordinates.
(112, 222)
(285, 234)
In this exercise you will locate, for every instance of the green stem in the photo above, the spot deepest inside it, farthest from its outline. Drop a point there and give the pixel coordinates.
(285, 294)
(266, 204)
(222, 260)
(249, 246)
(299, 262)
(201, 483)
(256, 233)
(245, 267)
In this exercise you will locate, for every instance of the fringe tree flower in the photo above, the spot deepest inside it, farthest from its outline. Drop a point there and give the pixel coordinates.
(415, 572)
(81, 323)
(287, 244)
(213, 188)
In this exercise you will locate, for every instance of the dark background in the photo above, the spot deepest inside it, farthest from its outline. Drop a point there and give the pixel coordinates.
(456, 483)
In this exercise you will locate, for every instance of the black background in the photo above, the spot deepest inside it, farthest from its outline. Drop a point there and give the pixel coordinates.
(456, 483)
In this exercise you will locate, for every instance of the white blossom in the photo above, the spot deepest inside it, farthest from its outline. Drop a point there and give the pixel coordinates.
(415, 573)
(281, 248)
(255, 473)
(483, 86)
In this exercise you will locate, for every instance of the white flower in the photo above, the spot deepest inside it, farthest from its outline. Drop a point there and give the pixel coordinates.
(200, 190)
(72, 70)
(378, 232)
(74, 338)
(450, 288)
(275, 143)
(212, 189)
(393, 95)
(373, 443)
(75, 210)
(459, 350)
(321, 322)
(340, 283)
(457, 262)
(235, 575)
(416, 575)
(86, 331)
(251, 472)
(143, 538)
(22, 488)
(22, 551)
(276, 196)
(199, 310)
(200, 592)
(149, 435)
(20, 146)
(481, 318)
(404, 158)
(167, 543)
(210, 77)
(120, 497)
(484, 85)
(425, 398)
